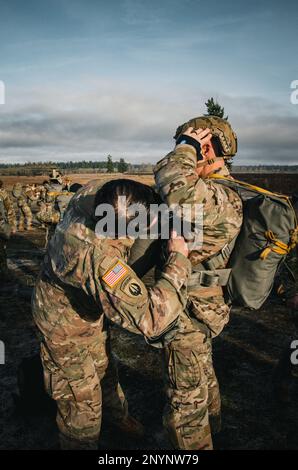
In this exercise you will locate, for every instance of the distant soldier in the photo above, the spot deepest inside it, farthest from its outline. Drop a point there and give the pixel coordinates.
(43, 189)
(51, 211)
(31, 192)
(7, 224)
(66, 183)
(22, 208)
(56, 175)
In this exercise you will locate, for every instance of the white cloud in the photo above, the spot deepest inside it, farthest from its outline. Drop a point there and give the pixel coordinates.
(110, 118)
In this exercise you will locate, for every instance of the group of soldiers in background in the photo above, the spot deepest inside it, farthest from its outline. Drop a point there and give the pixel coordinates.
(47, 201)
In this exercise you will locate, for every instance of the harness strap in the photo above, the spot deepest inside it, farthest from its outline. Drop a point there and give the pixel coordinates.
(217, 277)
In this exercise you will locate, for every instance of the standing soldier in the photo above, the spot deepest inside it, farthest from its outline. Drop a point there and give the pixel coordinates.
(66, 183)
(7, 224)
(32, 195)
(23, 211)
(85, 282)
(51, 211)
(182, 177)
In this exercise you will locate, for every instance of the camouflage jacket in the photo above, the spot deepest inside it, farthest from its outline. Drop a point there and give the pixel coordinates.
(178, 183)
(31, 194)
(52, 212)
(87, 277)
(8, 207)
(47, 214)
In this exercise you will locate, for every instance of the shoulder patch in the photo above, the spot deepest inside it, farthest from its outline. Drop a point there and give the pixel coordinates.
(132, 287)
(115, 274)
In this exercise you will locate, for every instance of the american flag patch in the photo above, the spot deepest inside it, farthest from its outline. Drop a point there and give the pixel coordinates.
(113, 276)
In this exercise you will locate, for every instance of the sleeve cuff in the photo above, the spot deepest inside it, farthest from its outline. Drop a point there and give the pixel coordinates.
(187, 149)
(177, 269)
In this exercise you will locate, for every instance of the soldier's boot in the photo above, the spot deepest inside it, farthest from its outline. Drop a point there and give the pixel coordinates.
(68, 443)
(21, 228)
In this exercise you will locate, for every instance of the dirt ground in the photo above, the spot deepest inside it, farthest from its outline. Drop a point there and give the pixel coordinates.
(245, 356)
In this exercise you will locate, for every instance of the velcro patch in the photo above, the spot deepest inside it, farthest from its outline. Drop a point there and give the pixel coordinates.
(115, 274)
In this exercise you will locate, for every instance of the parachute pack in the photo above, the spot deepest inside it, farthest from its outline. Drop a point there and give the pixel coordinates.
(269, 232)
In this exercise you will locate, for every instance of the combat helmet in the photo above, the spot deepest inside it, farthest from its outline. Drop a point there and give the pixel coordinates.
(55, 175)
(219, 127)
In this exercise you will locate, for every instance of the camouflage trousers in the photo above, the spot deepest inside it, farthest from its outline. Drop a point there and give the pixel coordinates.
(24, 218)
(193, 397)
(82, 378)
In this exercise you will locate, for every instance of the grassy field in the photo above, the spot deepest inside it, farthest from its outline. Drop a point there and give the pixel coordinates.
(278, 182)
(9, 181)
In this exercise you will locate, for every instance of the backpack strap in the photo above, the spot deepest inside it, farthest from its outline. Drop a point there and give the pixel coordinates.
(215, 278)
(221, 258)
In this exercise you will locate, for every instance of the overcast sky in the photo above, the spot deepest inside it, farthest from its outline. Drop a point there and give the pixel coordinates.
(85, 78)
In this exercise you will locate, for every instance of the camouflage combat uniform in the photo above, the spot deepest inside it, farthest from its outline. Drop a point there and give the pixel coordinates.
(192, 387)
(22, 209)
(7, 218)
(52, 208)
(85, 282)
(32, 194)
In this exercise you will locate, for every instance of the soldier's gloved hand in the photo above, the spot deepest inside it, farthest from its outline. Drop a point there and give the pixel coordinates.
(178, 244)
(201, 137)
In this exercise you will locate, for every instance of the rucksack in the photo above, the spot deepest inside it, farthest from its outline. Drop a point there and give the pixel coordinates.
(269, 232)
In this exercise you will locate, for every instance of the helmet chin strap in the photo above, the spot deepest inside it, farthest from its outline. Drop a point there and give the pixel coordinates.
(209, 161)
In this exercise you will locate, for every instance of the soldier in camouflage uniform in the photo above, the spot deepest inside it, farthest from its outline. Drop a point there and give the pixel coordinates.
(51, 211)
(32, 195)
(22, 209)
(7, 223)
(41, 191)
(85, 282)
(182, 177)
